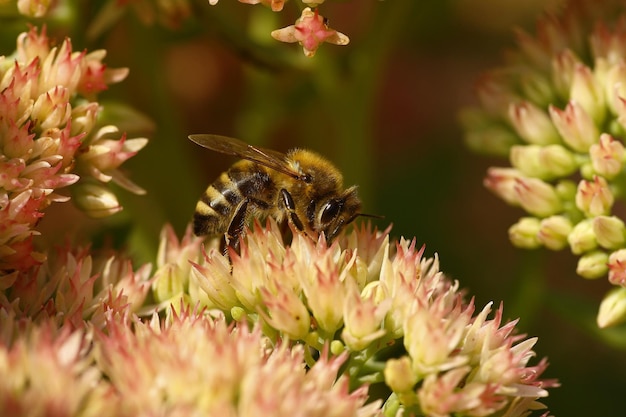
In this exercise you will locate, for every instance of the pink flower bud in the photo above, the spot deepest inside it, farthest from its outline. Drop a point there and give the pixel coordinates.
(52, 109)
(587, 91)
(537, 197)
(594, 198)
(563, 67)
(614, 84)
(501, 181)
(617, 267)
(61, 67)
(31, 45)
(286, 311)
(532, 124)
(18, 143)
(362, 319)
(607, 157)
(577, 129)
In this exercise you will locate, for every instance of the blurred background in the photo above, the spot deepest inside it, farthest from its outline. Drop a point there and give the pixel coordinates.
(384, 109)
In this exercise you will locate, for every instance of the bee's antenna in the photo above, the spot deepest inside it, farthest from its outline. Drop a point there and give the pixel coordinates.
(373, 216)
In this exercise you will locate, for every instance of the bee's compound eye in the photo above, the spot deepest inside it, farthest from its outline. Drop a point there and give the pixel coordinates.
(330, 211)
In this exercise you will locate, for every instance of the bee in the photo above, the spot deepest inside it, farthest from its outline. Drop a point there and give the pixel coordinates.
(300, 187)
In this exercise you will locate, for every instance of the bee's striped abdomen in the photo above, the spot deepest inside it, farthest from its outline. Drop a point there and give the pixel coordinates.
(215, 207)
(243, 183)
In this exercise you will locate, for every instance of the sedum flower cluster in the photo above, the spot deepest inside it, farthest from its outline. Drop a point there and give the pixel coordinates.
(363, 299)
(188, 364)
(558, 111)
(50, 139)
(284, 329)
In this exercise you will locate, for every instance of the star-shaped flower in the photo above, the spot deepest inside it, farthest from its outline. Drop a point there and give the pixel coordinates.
(310, 30)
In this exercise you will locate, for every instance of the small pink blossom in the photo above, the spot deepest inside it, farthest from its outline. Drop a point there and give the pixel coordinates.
(96, 76)
(310, 30)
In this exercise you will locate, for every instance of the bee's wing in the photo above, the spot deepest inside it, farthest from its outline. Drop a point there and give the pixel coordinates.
(231, 146)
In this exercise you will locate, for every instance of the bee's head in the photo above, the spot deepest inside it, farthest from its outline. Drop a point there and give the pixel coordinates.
(337, 212)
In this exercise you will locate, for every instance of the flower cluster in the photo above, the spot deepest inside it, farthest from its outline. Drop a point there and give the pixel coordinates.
(558, 110)
(72, 286)
(360, 296)
(191, 363)
(49, 371)
(49, 139)
(350, 302)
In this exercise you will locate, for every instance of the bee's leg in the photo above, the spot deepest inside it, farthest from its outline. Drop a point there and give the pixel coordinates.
(235, 229)
(290, 207)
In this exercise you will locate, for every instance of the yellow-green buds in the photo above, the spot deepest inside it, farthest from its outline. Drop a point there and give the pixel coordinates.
(525, 233)
(593, 265)
(612, 308)
(96, 200)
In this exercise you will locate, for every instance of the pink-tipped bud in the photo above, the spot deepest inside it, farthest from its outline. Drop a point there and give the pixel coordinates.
(594, 198)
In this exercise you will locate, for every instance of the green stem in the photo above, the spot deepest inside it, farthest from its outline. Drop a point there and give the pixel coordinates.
(531, 287)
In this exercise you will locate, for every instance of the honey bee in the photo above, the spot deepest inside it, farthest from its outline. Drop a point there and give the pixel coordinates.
(300, 187)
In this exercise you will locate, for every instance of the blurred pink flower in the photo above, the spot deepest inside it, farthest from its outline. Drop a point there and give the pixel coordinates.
(310, 30)
(49, 372)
